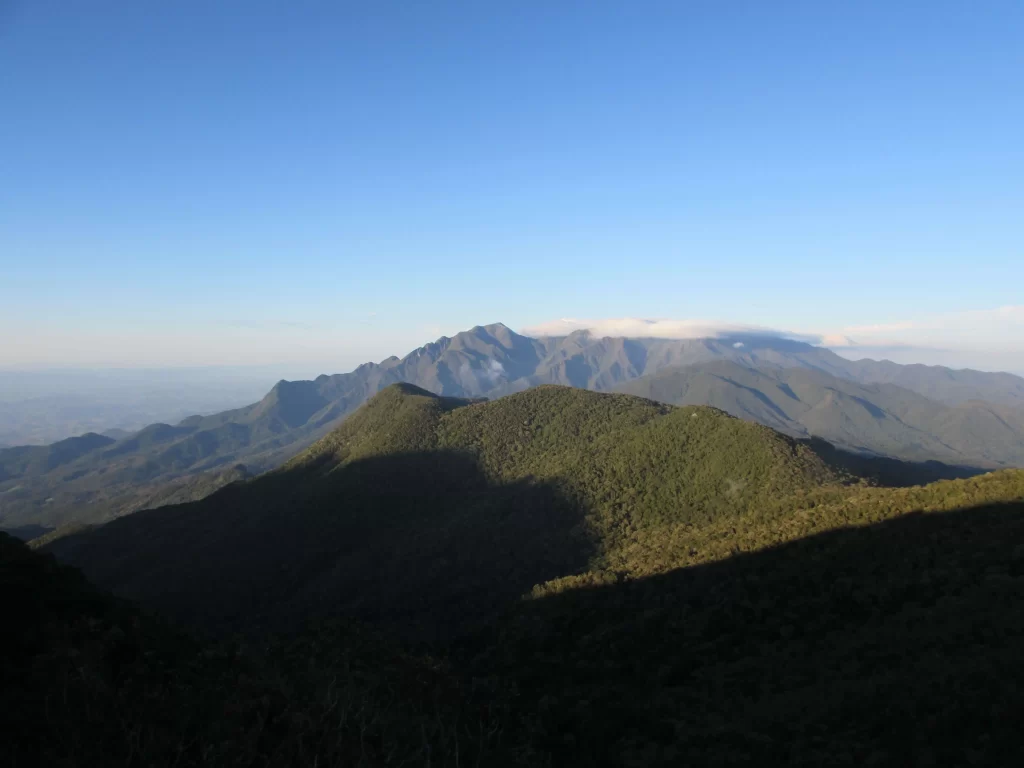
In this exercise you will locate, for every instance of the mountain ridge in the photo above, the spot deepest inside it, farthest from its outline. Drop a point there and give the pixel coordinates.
(486, 361)
(881, 419)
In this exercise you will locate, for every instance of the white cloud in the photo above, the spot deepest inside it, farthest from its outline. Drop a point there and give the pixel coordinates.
(986, 328)
(491, 372)
(660, 329)
(988, 339)
(836, 340)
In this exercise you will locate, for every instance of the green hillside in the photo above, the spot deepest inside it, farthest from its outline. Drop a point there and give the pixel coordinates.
(601, 580)
(436, 507)
(868, 628)
(630, 462)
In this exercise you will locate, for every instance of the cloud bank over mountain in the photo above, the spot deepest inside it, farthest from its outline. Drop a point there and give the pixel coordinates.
(635, 327)
(987, 339)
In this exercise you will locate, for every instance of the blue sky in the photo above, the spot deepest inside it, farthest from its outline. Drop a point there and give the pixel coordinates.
(196, 183)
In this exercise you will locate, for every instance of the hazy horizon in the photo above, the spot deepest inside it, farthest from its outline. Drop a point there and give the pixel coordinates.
(44, 405)
(982, 358)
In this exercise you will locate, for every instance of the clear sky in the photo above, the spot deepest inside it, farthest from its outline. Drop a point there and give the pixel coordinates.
(198, 182)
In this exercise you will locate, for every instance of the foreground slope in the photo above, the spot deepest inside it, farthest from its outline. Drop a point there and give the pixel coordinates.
(429, 511)
(873, 626)
(88, 680)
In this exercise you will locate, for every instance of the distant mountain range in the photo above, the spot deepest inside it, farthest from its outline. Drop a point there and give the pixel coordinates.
(910, 412)
(877, 418)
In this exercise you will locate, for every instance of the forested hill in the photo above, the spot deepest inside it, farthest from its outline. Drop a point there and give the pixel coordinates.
(599, 579)
(423, 510)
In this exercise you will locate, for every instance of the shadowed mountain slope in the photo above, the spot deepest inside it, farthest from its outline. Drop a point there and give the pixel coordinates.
(892, 642)
(31, 460)
(868, 628)
(944, 385)
(89, 680)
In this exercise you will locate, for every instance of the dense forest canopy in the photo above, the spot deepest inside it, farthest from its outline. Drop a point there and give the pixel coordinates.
(557, 577)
